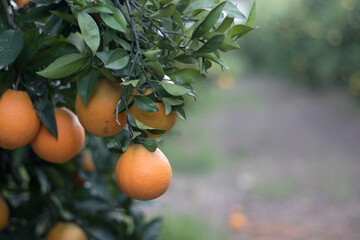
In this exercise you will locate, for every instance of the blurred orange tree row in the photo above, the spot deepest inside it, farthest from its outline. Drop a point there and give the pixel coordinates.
(315, 42)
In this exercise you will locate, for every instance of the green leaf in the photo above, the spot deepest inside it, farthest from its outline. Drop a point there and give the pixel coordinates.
(43, 180)
(188, 59)
(37, 14)
(45, 110)
(137, 123)
(114, 59)
(212, 45)
(177, 17)
(172, 101)
(116, 21)
(186, 76)
(229, 44)
(156, 66)
(152, 55)
(53, 27)
(65, 214)
(164, 2)
(150, 144)
(145, 103)
(180, 112)
(64, 66)
(107, 74)
(119, 142)
(239, 30)
(152, 229)
(209, 21)
(87, 83)
(163, 12)
(131, 82)
(252, 16)
(31, 46)
(225, 25)
(174, 89)
(103, 8)
(89, 30)
(77, 40)
(214, 59)
(233, 11)
(200, 4)
(92, 205)
(11, 44)
(65, 16)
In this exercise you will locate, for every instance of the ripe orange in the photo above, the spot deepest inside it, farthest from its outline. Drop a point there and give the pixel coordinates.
(66, 231)
(141, 174)
(237, 220)
(19, 123)
(71, 137)
(21, 3)
(98, 117)
(87, 161)
(4, 213)
(157, 120)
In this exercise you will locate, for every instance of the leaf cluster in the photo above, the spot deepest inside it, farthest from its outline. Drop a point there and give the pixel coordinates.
(65, 47)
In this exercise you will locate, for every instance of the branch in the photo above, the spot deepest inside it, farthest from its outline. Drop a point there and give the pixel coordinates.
(136, 37)
(163, 33)
(8, 16)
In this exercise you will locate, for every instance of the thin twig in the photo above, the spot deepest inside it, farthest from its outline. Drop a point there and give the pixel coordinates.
(178, 33)
(17, 82)
(117, 112)
(8, 16)
(136, 38)
(163, 33)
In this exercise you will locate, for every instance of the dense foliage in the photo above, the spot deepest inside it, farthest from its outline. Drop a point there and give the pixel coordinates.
(54, 49)
(314, 42)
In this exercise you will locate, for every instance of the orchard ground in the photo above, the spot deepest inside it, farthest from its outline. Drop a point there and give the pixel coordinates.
(288, 157)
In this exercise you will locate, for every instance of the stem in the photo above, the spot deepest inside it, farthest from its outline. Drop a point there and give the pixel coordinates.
(8, 16)
(178, 33)
(136, 37)
(17, 82)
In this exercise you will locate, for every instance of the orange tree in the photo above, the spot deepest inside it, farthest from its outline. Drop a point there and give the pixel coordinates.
(119, 71)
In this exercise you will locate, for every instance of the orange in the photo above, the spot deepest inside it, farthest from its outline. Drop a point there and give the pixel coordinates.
(98, 117)
(237, 220)
(157, 120)
(19, 123)
(4, 213)
(21, 3)
(141, 174)
(66, 231)
(226, 81)
(71, 137)
(88, 162)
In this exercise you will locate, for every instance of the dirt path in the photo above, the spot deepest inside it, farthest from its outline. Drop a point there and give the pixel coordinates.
(291, 161)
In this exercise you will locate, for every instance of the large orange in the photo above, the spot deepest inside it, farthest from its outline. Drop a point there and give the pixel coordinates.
(19, 123)
(66, 231)
(157, 120)
(71, 137)
(141, 174)
(4, 213)
(98, 117)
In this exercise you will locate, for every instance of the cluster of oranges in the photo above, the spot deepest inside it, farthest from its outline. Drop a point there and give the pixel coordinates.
(140, 174)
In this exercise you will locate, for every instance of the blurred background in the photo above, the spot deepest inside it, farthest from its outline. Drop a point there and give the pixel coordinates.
(272, 145)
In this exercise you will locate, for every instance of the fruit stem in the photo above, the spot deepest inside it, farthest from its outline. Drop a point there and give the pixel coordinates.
(17, 81)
